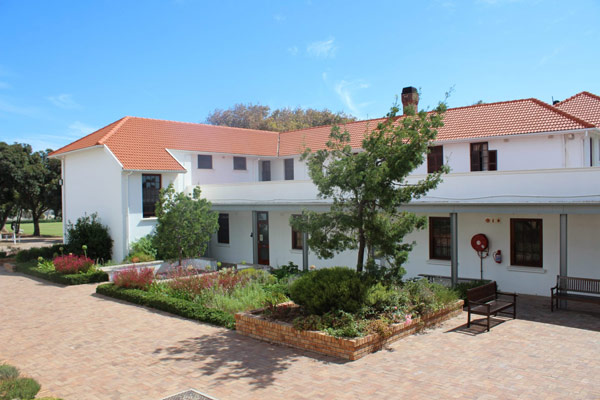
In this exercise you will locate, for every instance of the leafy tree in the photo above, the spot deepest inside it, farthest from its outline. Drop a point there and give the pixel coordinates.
(256, 116)
(185, 224)
(368, 188)
(39, 190)
(13, 159)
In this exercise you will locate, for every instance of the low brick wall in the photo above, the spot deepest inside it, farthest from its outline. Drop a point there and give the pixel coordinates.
(258, 327)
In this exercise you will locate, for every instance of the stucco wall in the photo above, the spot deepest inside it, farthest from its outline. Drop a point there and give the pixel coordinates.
(92, 183)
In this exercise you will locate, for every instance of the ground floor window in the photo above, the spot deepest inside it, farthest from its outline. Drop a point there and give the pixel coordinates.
(223, 234)
(439, 238)
(297, 237)
(151, 184)
(526, 242)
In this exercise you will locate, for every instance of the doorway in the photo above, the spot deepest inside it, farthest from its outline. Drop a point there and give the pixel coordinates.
(262, 240)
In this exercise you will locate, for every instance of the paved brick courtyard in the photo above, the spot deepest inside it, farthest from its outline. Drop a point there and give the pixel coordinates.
(82, 346)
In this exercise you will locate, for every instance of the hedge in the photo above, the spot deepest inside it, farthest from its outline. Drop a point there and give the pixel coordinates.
(183, 308)
(35, 252)
(65, 279)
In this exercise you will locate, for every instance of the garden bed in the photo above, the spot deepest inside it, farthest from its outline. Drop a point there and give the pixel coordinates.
(92, 276)
(181, 307)
(255, 325)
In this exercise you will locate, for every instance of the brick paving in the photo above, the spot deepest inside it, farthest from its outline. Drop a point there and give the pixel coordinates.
(82, 346)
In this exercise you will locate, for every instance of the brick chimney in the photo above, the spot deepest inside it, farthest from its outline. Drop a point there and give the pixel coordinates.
(410, 97)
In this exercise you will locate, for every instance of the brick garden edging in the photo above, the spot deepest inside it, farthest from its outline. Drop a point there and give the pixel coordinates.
(254, 325)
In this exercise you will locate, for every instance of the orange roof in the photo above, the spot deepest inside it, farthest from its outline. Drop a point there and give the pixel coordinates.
(584, 105)
(142, 143)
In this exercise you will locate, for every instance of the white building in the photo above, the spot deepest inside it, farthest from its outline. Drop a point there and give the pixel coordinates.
(524, 173)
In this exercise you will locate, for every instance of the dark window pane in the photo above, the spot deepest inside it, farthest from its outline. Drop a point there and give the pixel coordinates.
(289, 169)
(150, 190)
(435, 159)
(265, 170)
(223, 234)
(297, 237)
(439, 238)
(204, 161)
(239, 163)
(526, 242)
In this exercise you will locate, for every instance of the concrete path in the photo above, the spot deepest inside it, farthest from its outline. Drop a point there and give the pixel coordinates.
(82, 346)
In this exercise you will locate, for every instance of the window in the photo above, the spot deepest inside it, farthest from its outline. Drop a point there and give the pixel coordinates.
(435, 159)
(439, 238)
(239, 163)
(526, 242)
(483, 159)
(204, 161)
(297, 237)
(150, 188)
(289, 169)
(223, 234)
(264, 173)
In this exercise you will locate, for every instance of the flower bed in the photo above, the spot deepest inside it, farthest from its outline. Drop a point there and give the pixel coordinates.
(32, 268)
(255, 325)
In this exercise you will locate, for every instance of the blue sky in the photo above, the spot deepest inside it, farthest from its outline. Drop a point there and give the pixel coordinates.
(70, 67)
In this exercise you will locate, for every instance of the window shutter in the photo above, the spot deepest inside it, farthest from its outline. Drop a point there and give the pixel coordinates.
(475, 160)
(492, 160)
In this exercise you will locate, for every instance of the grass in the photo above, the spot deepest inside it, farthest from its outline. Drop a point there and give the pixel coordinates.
(46, 228)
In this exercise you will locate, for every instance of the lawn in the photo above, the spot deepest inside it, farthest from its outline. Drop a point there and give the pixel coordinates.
(46, 228)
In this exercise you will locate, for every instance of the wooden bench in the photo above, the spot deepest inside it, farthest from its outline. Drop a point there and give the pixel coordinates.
(576, 289)
(483, 300)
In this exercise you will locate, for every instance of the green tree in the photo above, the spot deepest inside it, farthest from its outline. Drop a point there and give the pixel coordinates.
(368, 188)
(39, 189)
(256, 116)
(13, 159)
(185, 224)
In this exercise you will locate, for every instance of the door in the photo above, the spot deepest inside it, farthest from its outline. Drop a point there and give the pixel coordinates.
(265, 170)
(262, 242)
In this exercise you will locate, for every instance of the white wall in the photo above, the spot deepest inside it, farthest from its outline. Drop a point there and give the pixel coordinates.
(92, 183)
(528, 280)
(240, 247)
(583, 250)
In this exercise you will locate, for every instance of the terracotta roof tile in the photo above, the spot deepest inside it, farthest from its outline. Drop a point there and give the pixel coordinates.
(584, 105)
(142, 143)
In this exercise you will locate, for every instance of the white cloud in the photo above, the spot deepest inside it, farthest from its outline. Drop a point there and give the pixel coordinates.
(322, 49)
(64, 100)
(293, 50)
(79, 129)
(346, 90)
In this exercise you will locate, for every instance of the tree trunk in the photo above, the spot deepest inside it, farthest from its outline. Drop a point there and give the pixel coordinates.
(36, 224)
(361, 240)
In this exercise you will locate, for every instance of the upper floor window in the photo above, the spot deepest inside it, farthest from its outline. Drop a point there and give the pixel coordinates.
(483, 159)
(440, 238)
(151, 184)
(223, 233)
(264, 173)
(435, 159)
(289, 169)
(204, 161)
(239, 163)
(297, 237)
(526, 242)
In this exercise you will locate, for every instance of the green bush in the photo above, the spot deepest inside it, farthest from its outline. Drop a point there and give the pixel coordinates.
(8, 372)
(428, 297)
(379, 297)
(144, 245)
(330, 289)
(286, 270)
(92, 276)
(90, 232)
(159, 301)
(35, 252)
(461, 288)
(20, 388)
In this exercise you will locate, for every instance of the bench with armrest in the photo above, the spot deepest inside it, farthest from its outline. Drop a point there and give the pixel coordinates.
(576, 289)
(485, 300)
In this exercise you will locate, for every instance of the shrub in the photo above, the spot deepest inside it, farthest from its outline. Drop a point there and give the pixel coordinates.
(137, 278)
(379, 297)
(257, 275)
(159, 301)
(72, 264)
(139, 257)
(461, 288)
(285, 271)
(90, 232)
(330, 289)
(144, 245)
(92, 276)
(35, 252)
(8, 372)
(20, 388)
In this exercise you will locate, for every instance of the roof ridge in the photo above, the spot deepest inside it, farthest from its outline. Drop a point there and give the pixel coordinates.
(198, 123)
(575, 96)
(564, 113)
(490, 104)
(86, 136)
(113, 130)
